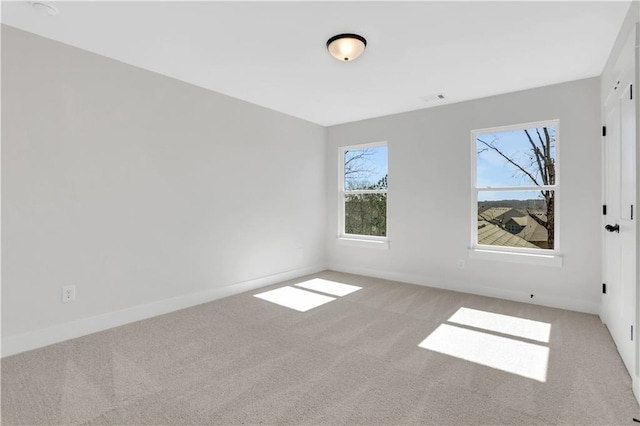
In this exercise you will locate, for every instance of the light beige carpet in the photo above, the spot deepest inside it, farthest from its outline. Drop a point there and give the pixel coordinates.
(355, 360)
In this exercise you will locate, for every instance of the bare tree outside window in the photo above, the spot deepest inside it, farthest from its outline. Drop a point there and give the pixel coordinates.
(516, 183)
(365, 191)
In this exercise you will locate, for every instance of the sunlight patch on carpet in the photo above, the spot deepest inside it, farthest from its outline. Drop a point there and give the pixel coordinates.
(510, 355)
(294, 298)
(329, 287)
(505, 324)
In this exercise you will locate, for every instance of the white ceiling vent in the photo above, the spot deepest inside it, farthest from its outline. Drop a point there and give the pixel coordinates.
(433, 98)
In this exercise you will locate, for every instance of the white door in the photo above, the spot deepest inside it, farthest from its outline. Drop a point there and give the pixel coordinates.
(620, 229)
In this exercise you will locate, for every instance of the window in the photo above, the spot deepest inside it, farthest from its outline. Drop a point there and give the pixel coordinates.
(515, 188)
(363, 191)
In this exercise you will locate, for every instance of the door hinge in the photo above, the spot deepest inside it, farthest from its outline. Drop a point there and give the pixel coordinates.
(631, 331)
(631, 211)
(604, 209)
(604, 130)
(604, 288)
(631, 92)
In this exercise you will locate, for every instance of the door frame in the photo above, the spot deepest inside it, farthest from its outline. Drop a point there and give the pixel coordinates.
(625, 76)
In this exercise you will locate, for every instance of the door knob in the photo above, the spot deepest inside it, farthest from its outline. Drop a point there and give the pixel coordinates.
(613, 228)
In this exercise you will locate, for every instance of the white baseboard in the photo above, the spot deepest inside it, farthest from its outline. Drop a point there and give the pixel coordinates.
(635, 385)
(447, 284)
(43, 337)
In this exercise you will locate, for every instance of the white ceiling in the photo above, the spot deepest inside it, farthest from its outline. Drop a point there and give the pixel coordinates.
(274, 55)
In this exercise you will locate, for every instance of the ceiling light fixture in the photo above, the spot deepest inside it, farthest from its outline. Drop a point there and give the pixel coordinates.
(346, 47)
(44, 9)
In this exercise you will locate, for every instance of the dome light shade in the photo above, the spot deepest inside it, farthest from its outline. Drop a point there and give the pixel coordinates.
(44, 9)
(346, 47)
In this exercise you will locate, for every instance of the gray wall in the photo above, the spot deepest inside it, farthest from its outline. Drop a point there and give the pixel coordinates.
(137, 188)
(429, 201)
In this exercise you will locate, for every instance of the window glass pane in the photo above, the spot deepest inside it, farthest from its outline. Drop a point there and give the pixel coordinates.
(524, 157)
(516, 218)
(366, 214)
(365, 168)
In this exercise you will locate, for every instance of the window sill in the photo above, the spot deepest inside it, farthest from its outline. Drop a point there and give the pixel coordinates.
(364, 243)
(554, 260)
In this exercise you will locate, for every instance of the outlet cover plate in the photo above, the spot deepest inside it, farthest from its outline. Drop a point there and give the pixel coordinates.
(68, 293)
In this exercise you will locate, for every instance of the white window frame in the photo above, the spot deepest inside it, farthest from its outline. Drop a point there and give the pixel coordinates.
(356, 240)
(551, 257)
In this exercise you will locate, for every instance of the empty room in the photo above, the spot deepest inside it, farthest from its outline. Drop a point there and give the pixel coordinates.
(300, 212)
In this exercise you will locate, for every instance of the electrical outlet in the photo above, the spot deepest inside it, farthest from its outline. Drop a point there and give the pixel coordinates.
(460, 263)
(68, 293)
